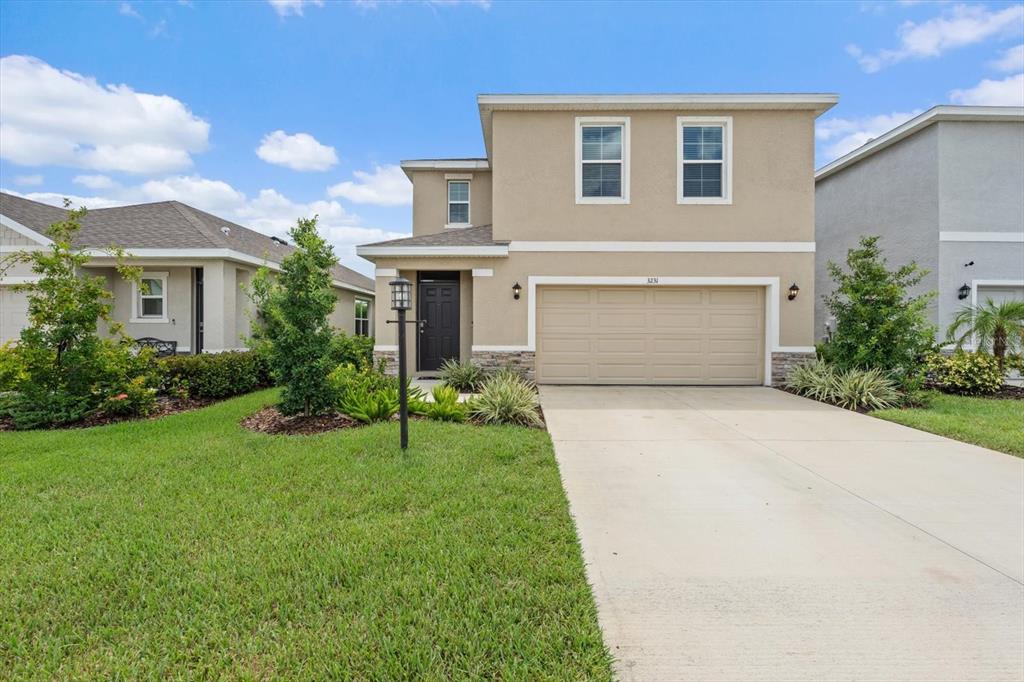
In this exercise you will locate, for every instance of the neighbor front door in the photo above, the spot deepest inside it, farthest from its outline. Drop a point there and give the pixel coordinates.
(439, 311)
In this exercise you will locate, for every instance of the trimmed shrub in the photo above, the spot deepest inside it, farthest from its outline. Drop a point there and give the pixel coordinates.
(464, 377)
(966, 373)
(136, 400)
(866, 389)
(351, 350)
(12, 370)
(214, 375)
(506, 399)
(815, 379)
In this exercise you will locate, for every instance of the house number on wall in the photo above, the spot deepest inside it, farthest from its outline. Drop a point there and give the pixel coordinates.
(652, 280)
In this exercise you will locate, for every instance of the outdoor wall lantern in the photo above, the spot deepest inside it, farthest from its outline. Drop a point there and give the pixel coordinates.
(964, 291)
(401, 301)
(516, 290)
(793, 291)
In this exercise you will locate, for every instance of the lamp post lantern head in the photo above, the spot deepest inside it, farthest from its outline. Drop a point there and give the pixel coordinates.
(964, 291)
(793, 291)
(401, 294)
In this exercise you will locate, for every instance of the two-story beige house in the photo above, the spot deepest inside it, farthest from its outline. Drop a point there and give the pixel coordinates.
(616, 239)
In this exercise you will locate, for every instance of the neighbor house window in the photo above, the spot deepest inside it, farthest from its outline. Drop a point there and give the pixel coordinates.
(704, 160)
(362, 317)
(458, 202)
(602, 160)
(151, 297)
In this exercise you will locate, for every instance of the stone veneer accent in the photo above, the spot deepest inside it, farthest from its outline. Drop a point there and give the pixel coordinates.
(390, 357)
(520, 359)
(782, 363)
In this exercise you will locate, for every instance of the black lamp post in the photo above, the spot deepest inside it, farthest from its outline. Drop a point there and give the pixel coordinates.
(401, 301)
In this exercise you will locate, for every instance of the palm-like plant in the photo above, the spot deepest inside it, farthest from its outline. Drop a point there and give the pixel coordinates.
(996, 325)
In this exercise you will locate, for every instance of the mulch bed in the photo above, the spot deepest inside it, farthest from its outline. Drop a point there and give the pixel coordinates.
(269, 420)
(165, 406)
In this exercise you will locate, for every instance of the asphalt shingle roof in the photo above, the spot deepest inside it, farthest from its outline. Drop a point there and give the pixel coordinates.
(161, 225)
(466, 236)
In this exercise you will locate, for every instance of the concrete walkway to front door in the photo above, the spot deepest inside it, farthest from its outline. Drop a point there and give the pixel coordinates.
(747, 534)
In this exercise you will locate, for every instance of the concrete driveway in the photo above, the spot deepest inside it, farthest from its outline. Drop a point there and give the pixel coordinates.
(747, 534)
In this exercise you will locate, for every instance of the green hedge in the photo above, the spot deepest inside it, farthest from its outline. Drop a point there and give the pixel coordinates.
(214, 375)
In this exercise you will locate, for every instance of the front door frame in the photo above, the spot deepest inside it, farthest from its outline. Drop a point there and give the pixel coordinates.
(438, 277)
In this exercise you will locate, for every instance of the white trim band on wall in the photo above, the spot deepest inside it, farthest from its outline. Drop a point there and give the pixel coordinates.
(385, 272)
(500, 349)
(386, 349)
(662, 247)
(771, 301)
(1006, 237)
(483, 272)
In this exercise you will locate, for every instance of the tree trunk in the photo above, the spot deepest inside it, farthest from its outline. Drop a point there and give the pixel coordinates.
(306, 412)
(999, 346)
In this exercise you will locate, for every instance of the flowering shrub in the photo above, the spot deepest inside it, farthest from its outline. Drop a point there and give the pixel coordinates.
(137, 400)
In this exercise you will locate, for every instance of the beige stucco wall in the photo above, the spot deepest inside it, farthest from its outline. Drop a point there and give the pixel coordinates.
(430, 199)
(533, 168)
(499, 320)
(179, 304)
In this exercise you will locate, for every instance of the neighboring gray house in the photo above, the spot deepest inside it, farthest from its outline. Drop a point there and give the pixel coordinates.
(945, 189)
(194, 263)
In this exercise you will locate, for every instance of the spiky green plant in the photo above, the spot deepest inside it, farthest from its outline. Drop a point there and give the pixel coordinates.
(991, 325)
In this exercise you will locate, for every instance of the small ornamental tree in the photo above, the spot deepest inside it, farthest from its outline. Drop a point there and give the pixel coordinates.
(999, 326)
(877, 323)
(292, 327)
(66, 368)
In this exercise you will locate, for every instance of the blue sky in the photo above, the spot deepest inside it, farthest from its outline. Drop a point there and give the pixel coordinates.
(124, 102)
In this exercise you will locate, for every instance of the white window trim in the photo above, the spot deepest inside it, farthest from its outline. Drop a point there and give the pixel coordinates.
(726, 123)
(137, 300)
(602, 120)
(468, 202)
(361, 319)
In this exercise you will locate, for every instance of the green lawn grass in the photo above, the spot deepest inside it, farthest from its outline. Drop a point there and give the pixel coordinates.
(189, 547)
(989, 422)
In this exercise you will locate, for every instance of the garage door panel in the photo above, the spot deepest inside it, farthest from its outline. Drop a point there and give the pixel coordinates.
(650, 335)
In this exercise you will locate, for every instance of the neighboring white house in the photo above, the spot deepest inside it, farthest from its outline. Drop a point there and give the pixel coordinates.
(194, 263)
(945, 189)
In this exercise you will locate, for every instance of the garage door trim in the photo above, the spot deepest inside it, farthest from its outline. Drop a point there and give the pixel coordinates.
(771, 313)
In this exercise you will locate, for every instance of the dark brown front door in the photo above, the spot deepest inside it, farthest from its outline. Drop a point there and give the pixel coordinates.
(439, 309)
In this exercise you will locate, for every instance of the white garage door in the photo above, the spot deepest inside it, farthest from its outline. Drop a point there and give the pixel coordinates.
(13, 313)
(999, 294)
(650, 335)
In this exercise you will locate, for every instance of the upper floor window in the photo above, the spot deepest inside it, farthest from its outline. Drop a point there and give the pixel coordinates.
(602, 160)
(151, 298)
(705, 159)
(362, 317)
(458, 202)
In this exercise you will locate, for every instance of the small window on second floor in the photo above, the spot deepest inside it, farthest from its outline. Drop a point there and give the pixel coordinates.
(602, 160)
(704, 159)
(362, 317)
(458, 202)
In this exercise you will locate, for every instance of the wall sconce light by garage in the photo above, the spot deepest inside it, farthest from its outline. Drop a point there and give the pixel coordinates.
(793, 291)
(516, 290)
(964, 291)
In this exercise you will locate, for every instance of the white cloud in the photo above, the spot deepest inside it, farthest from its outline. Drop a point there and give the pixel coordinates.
(843, 135)
(1012, 60)
(94, 181)
(374, 4)
(959, 26)
(28, 180)
(1006, 92)
(127, 10)
(296, 7)
(386, 186)
(52, 117)
(269, 212)
(300, 151)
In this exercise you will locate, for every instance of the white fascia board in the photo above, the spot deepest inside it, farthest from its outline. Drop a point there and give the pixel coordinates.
(1005, 237)
(212, 254)
(816, 101)
(663, 247)
(933, 115)
(446, 164)
(498, 251)
(14, 225)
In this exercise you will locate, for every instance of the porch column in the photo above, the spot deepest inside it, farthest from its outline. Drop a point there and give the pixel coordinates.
(219, 329)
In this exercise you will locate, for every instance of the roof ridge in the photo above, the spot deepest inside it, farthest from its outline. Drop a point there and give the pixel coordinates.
(199, 225)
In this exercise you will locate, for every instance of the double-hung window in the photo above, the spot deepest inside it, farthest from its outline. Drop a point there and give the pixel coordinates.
(458, 202)
(602, 160)
(362, 317)
(705, 159)
(150, 297)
